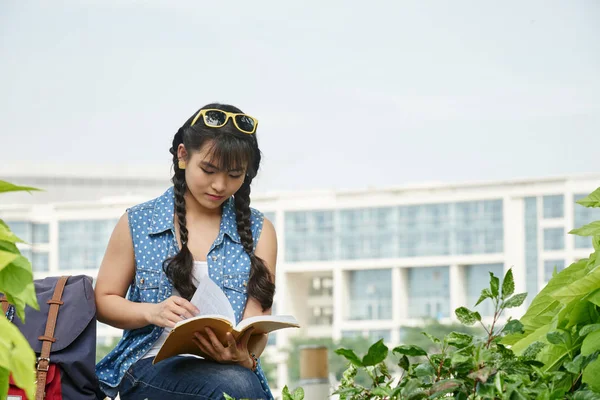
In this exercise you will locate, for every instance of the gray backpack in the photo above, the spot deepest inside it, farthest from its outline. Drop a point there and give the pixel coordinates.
(63, 335)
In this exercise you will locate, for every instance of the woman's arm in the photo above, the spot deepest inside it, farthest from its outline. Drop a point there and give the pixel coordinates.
(266, 249)
(116, 273)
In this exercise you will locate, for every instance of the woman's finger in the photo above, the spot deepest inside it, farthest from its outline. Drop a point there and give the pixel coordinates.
(204, 345)
(215, 342)
(231, 341)
(243, 340)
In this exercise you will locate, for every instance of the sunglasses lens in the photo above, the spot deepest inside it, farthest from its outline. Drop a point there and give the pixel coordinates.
(215, 118)
(244, 123)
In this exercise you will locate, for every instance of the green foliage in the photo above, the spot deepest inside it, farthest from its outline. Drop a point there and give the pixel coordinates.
(551, 353)
(16, 282)
(337, 365)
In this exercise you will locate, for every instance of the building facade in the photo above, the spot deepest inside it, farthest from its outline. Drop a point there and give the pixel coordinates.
(364, 262)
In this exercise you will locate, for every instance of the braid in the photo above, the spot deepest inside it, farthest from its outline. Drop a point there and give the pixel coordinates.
(179, 268)
(260, 284)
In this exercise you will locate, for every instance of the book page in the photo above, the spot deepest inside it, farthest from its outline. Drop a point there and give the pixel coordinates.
(211, 300)
(272, 321)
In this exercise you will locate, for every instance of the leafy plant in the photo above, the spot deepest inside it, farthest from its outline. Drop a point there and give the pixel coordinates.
(16, 282)
(551, 353)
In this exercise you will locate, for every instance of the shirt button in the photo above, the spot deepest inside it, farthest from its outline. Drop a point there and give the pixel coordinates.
(214, 258)
(142, 281)
(245, 284)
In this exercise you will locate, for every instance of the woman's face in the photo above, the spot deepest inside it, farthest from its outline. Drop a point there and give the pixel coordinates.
(209, 185)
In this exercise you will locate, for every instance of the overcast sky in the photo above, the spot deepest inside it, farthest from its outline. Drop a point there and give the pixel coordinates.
(349, 94)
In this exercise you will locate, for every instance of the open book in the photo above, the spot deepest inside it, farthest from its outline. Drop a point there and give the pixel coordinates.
(217, 314)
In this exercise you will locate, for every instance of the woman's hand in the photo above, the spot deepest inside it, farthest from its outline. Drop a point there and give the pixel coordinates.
(170, 311)
(233, 353)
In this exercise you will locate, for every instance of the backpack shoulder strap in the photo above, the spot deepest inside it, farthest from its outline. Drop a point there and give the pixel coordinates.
(44, 360)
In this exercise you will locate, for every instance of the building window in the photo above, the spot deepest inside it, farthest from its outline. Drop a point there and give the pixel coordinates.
(309, 236)
(271, 217)
(531, 245)
(321, 316)
(82, 244)
(554, 206)
(39, 262)
(429, 292)
(321, 286)
(550, 266)
(22, 229)
(41, 233)
(370, 294)
(554, 239)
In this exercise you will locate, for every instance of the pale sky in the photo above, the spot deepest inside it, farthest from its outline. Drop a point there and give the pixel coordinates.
(349, 94)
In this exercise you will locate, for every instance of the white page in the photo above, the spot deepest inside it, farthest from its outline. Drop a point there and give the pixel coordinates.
(289, 319)
(211, 300)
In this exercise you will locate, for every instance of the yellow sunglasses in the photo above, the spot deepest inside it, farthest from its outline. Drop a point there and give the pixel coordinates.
(215, 118)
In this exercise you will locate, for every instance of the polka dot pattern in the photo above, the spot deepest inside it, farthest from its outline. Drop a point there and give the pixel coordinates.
(152, 232)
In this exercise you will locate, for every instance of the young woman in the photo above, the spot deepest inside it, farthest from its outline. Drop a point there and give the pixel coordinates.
(201, 228)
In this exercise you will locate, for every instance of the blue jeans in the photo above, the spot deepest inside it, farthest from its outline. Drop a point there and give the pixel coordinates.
(188, 378)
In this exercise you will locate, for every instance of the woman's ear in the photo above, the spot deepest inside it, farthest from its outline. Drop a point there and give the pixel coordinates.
(182, 153)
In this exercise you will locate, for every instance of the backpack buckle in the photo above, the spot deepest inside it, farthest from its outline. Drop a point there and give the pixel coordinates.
(40, 368)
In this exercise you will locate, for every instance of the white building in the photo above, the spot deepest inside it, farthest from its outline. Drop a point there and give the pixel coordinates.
(363, 262)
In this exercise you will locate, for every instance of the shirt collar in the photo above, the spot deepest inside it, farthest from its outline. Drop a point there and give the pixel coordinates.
(164, 213)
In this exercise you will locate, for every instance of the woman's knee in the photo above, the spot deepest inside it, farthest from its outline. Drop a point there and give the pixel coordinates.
(240, 382)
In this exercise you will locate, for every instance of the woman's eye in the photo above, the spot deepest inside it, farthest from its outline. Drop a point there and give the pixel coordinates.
(207, 172)
(235, 176)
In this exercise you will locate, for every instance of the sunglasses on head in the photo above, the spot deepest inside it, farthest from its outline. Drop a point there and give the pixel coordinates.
(215, 118)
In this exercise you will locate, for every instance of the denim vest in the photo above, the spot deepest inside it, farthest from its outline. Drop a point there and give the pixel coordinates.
(152, 231)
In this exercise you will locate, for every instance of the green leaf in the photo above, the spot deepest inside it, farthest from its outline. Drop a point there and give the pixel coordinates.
(7, 235)
(543, 307)
(515, 301)
(443, 387)
(381, 391)
(590, 229)
(227, 397)
(6, 258)
(4, 374)
(376, 354)
(9, 187)
(458, 358)
(508, 285)
(350, 356)
(432, 338)
(486, 390)
(594, 297)
(485, 294)
(458, 340)
(513, 326)
(17, 357)
(298, 394)
(404, 363)
(591, 343)
(591, 374)
(425, 369)
(533, 350)
(558, 337)
(285, 393)
(16, 282)
(9, 247)
(580, 288)
(589, 329)
(466, 316)
(575, 366)
(592, 200)
(409, 350)
(494, 284)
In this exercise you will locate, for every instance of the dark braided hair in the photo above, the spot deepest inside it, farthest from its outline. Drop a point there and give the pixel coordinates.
(231, 149)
